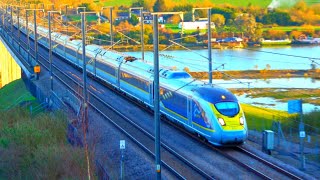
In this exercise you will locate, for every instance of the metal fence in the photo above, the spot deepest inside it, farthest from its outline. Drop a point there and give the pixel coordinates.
(287, 139)
(48, 100)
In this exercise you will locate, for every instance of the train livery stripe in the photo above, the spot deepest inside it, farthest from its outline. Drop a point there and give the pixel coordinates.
(182, 117)
(81, 63)
(204, 128)
(105, 72)
(135, 87)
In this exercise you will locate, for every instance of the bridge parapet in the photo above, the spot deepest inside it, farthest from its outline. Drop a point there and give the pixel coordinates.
(13, 59)
(9, 68)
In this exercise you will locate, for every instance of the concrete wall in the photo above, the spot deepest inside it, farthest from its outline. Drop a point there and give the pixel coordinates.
(9, 69)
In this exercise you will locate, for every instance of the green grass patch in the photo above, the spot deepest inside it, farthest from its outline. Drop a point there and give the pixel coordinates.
(259, 118)
(312, 119)
(260, 3)
(290, 28)
(14, 93)
(307, 95)
(37, 147)
(311, 2)
(175, 29)
(119, 2)
(89, 18)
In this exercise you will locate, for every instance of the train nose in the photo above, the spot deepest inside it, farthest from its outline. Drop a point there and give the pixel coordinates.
(233, 137)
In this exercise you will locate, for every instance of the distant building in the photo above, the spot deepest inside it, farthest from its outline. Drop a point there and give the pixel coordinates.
(195, 25)
(122, 16)
(233, 39)
(147, 18)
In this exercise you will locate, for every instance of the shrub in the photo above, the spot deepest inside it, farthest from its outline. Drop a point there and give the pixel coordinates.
(37, 147)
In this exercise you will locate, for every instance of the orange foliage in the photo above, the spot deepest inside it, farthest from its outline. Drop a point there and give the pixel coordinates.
(276, 34)
(175, 19)
(308, 29)
(124, 26)
(296, 34)
(301, 13)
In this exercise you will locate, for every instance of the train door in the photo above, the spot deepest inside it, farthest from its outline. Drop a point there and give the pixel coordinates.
(151, 94)
(118, 75)
(189, 106)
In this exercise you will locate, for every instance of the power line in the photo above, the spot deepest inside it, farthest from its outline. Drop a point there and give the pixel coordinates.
(282, 54)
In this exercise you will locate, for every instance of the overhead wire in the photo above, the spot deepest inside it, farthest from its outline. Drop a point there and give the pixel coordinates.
(259, 51)
(289, 55)
(233, 77)
(237, 80)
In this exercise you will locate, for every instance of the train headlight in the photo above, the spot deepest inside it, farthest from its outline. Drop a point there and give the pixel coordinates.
(241, 120)
(221, 121)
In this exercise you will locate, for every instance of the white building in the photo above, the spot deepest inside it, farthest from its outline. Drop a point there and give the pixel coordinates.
(195, 25)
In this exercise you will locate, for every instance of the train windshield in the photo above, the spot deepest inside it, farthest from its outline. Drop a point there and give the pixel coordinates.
(227, 108)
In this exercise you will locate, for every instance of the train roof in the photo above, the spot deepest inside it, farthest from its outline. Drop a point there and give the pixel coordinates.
(179, 81)
(75, 44)
(214, 95)
(169, 78)
(61, 37)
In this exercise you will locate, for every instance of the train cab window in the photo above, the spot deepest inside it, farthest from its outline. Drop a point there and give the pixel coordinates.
(175, 102)
(228, 108)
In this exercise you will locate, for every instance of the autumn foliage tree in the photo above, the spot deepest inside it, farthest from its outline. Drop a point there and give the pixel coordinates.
(246, 23)
(308, 30)
(175, 19)
(275, 34)
(295, 34)
(218, 19)
(159, 6)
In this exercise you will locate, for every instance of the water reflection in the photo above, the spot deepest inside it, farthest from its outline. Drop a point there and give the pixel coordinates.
(285, 83)
(249, 59)
(305, 83)
(240, 59)
(272, 103)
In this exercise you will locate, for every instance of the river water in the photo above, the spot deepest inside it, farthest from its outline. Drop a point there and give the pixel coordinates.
(287, 57)
(284, 57)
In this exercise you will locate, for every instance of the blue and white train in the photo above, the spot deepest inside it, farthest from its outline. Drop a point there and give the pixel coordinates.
(210, 111)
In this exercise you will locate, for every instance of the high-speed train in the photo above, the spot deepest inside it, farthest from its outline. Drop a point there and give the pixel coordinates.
(212, 112)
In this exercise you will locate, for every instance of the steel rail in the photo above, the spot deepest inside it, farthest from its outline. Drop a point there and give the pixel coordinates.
(95, 107)
(275, 167)
(128, 120)
(168, 148)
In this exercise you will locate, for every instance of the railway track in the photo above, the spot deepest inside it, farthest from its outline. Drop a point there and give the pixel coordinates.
(180, 166)
(267, 163)
(172, 161)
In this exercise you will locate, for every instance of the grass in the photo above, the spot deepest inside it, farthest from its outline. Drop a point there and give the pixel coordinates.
(307, 95)
(291, 28)
(311, 2)
(14, 93)
(261, 118)
(89, 18)
(175, 29)
(260, 3)
(37, 147)
(119, 2)
(312, 119)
